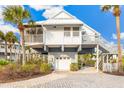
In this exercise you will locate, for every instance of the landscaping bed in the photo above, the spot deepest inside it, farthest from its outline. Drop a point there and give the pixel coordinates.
(10, 72)
(115, 73)
(22, 78)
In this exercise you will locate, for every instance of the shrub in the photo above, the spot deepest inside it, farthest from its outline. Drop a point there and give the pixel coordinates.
(9, 71)
(1, 68)
(13, 71)
(74, 67)
(114, 61)
(28, 68)
(45, 68)
(4, 62)
(90, 63)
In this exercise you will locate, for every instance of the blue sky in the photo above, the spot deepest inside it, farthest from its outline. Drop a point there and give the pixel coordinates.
(91, 15)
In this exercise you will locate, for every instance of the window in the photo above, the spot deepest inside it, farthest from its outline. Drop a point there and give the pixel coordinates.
(27, 31)
(39, 31)
(75, 33)
(33, 31)
(67, 28)
(68, 57)
(54, 26)
(66, 34)
(75, 28)
(60, 57)
(64, 57)
(2, 46)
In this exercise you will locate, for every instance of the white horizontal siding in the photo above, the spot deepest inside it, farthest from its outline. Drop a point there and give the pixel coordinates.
(57, 37)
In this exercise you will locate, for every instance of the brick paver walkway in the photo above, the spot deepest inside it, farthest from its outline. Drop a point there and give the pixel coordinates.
(70, 80)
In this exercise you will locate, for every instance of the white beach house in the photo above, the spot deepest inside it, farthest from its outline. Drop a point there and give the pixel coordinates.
(63, 37)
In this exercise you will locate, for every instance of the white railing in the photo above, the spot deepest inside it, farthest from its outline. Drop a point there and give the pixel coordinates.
(72, 37)
(112, 48)
(2, 50)
(37, 38)
(110, 67)
(89, 39)
(95, 39)
(72, 33)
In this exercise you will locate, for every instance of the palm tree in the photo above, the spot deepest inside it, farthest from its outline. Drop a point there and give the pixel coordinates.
(16, 15)
(116, 13)
(11, 39)
(2, 37)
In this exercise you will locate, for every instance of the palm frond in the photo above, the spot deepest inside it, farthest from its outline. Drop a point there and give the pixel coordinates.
(106, 8)
(15, 14)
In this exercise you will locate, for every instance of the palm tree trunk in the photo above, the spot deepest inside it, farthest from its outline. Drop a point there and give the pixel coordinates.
(5, 49)
(10, 53)
(23, 48)
(119, 42)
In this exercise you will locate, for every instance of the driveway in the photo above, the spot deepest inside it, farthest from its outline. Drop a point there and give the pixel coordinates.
(70, 80)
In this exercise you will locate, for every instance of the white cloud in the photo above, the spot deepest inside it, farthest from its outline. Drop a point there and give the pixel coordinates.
(40, 7)
(114, 36)
(1, 10)
(112, 43)
(6, 27)
(50, 10)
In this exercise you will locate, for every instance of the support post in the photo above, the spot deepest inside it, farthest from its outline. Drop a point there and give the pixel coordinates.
(103, 61)
(62, 48)
(45, 48)
(107, 59)
(79, 48)
(97, 57)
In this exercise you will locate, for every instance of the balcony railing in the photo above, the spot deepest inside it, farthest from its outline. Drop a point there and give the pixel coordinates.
(72, 37)
(95, 39)
(37, 38)
(89, 39)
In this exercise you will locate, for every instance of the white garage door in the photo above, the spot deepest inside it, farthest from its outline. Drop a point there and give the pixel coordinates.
(63, 63)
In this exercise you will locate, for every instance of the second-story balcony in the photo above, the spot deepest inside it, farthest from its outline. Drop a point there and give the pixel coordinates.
(34, 38)
(63, 37)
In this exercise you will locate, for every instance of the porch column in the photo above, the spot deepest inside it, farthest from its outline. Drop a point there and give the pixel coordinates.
(107, 58)
(97, 57)
(45, 48)
(103, 57)
(76, 57)
(79, 48)
(62, 48)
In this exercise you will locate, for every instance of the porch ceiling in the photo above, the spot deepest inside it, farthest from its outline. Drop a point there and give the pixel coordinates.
(89, 46)
(36, 45)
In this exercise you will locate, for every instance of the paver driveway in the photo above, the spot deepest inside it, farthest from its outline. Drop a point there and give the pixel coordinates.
(70, 80)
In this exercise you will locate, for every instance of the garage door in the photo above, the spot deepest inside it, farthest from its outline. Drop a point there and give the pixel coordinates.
(63, 63)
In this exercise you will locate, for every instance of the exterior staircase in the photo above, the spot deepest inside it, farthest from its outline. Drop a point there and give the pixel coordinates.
(103, 44)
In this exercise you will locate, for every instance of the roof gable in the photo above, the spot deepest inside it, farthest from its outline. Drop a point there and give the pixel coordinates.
(63, 18)
(63, 15)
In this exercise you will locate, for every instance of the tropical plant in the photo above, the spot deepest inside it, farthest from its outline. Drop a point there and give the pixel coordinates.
(116, 12)
(16, 15)
(11, 39)
(2, 38)
(4, 62)
(74, 67)
(45, 68)
(1, 35)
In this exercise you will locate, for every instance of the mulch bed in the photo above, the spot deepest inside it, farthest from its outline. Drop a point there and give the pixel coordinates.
(115, 73)
(23, 78)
